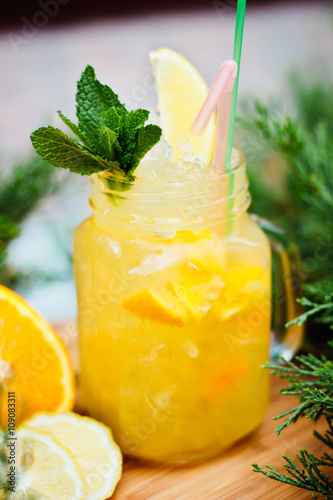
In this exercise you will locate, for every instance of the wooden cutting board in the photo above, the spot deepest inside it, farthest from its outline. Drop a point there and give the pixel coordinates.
(227, 477)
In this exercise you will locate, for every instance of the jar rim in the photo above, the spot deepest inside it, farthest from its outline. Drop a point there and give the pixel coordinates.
(189, 203)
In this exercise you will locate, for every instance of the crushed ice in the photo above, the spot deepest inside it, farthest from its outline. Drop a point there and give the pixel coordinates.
(159, 163)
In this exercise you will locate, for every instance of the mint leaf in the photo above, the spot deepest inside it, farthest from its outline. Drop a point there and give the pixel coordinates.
(109, 145)
(147, 137)
(60, 151)
(112, 119)
(93, 101)
(132, 122)
(75, 129)
(112, 138)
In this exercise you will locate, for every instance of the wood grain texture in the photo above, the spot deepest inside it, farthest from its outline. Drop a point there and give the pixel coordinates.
(228, 476)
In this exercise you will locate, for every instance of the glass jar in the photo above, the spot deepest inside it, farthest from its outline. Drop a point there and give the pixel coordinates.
(174, 296)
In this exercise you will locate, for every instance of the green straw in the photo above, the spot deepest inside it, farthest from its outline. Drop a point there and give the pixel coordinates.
(239, 28)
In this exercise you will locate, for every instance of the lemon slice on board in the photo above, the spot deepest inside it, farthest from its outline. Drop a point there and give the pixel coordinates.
(181, 93)
(43, 468)
(33, 362)
(91, 443)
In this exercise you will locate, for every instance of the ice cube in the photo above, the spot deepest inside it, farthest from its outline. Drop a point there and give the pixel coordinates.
(157, 261)
(190, 348)
(161, 151)
(165, 235)
(184, 144)
(162, 164)
(154, 118)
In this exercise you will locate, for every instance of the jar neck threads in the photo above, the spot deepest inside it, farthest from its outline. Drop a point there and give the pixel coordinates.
(167, 205)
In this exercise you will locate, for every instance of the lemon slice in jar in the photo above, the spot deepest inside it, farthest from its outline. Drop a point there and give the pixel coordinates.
(181, 93)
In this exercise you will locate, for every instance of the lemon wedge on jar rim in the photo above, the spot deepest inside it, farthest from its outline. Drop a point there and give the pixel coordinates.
(181, 92)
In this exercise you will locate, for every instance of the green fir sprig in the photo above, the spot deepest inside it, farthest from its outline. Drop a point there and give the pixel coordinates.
(324, 307)
(20, 193)
(300, 148)
(302, 198)
(310, 477)
(111, 138)
(311, 381)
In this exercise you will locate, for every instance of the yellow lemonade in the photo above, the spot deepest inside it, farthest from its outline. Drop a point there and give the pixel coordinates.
(174, 291)
(173, 276)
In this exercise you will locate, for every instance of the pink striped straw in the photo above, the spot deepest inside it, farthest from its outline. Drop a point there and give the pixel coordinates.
(219, 96)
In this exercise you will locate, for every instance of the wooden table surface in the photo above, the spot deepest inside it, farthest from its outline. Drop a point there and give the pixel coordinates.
(229, 476)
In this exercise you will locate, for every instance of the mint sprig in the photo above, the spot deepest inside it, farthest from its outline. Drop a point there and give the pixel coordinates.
(110, 137)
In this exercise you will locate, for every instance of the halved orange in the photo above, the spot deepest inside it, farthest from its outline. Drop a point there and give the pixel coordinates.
(35, 369)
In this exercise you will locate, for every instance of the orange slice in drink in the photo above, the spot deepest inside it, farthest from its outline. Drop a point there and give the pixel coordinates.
(243, 286)
(224, 377)
(198, 290)
(188, 236)
(242, 279)
(146, 305)
(208, 256)
(34, 364)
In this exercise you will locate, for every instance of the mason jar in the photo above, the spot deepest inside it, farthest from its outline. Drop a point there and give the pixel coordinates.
(175, 303)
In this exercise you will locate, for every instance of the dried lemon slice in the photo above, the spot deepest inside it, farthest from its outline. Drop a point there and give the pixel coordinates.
(43, 468)
(91, 443)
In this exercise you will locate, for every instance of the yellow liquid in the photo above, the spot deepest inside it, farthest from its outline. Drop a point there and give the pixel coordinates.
(188, 382)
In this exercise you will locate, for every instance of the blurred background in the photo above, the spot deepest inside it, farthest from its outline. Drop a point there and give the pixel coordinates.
(44, 47)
